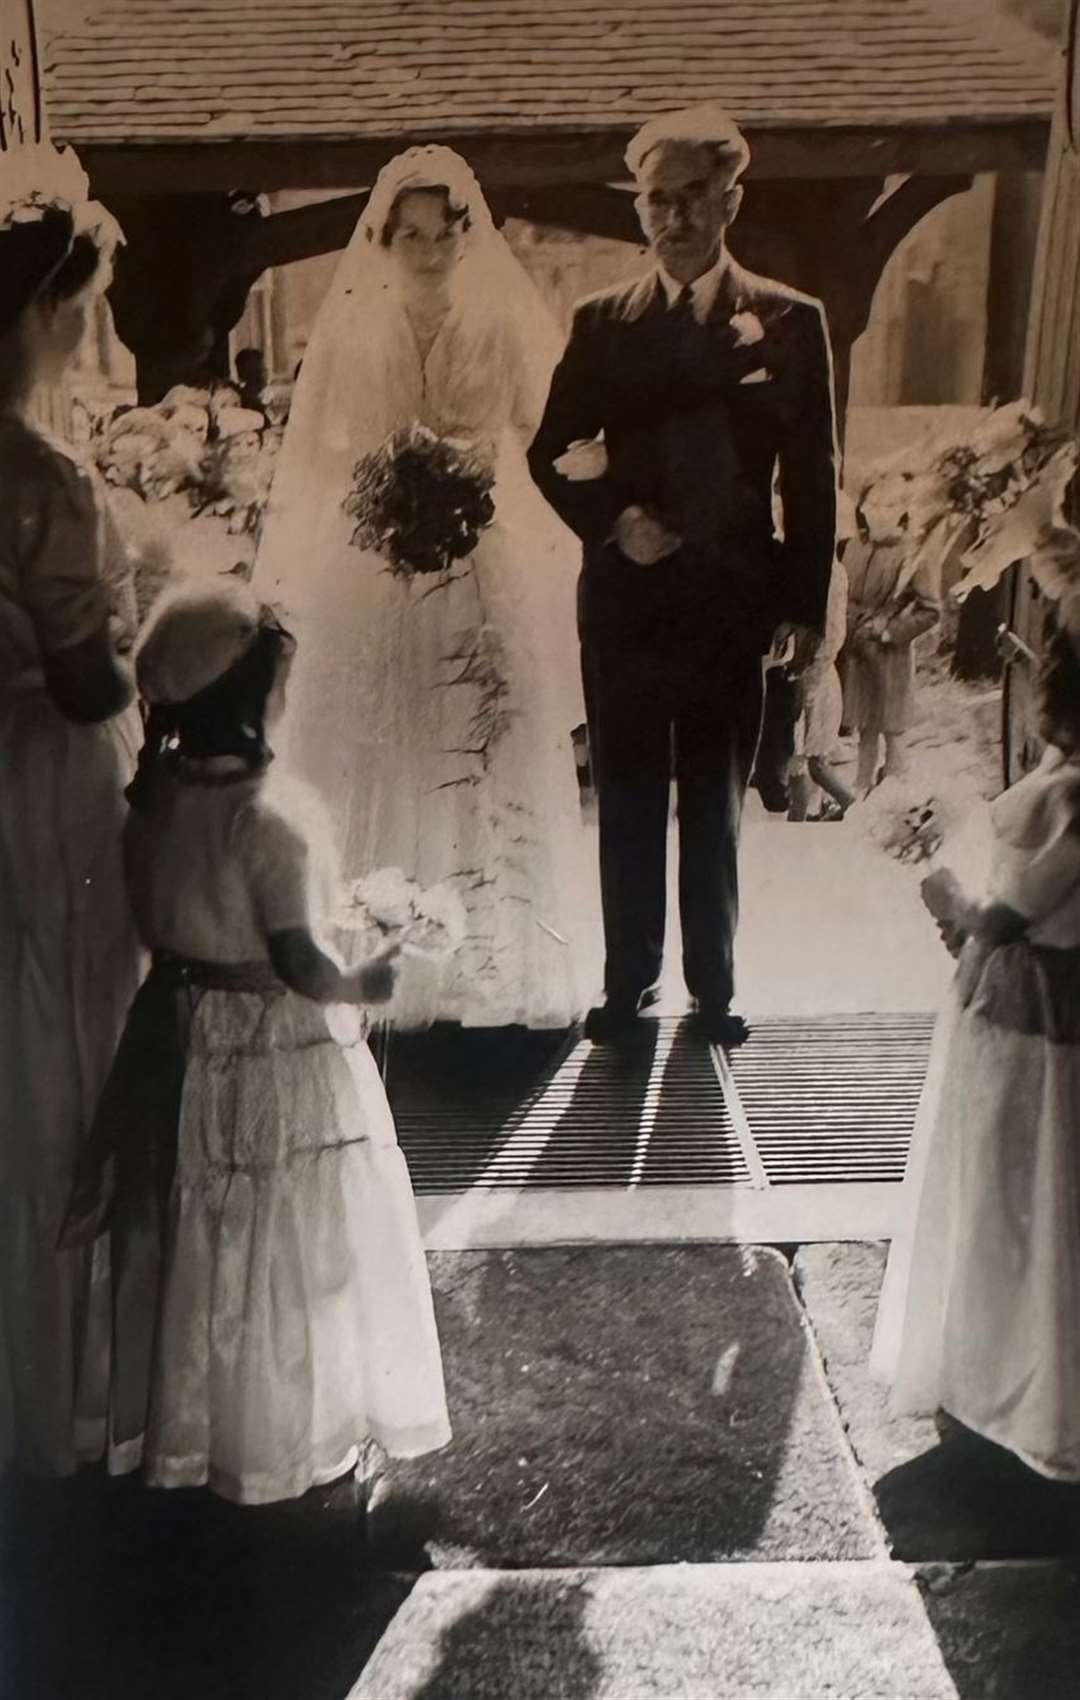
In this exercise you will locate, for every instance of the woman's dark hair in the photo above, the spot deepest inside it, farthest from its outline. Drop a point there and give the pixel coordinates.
(226, 719)
(42, 259)
(454, 213)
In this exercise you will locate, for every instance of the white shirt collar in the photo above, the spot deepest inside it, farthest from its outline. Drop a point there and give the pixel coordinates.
(703, 290)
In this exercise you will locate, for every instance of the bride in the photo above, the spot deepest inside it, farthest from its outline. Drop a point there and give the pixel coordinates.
(434, 713)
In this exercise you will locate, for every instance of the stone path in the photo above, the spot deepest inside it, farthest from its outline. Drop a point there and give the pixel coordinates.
(875, 1628)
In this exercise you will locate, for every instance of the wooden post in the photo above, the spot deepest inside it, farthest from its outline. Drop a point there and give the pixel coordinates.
(22, 109)
(1051, 376)
(22, 124)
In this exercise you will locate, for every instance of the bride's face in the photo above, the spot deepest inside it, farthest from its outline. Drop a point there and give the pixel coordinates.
(428, 241)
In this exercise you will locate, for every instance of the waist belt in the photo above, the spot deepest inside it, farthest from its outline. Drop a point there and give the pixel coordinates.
(257, 977)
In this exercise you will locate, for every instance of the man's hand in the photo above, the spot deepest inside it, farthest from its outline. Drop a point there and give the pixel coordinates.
(643, 539)
(805, 641)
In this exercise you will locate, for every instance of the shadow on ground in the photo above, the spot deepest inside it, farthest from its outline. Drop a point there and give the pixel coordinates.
(114, 1592)
(1007, 1632)
(461, 1089)
(623, 1405)
(526, 1639)
(967, 1499)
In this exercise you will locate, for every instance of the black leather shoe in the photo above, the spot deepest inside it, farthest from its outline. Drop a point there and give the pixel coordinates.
(613, 1019)
(716, 1024)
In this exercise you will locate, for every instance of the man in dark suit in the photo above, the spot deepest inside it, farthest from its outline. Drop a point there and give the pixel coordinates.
(709, 387)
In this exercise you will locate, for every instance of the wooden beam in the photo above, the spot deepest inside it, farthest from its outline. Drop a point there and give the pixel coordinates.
(879, 233)
(1052, 367)
(22, 110)
(1013, 239)
(768, 236)
(533, 158)
(326, 226)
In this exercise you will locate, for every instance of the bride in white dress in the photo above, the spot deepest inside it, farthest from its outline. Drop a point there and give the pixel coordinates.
(434, 713)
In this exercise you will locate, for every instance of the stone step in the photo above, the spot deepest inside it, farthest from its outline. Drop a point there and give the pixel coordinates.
(766, 1631)
(624, 1405)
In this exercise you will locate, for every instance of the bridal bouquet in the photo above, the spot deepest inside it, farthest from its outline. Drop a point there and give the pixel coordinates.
(421, 501)
(387, 908)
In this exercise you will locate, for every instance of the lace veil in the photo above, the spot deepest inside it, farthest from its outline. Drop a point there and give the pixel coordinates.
(344, 401)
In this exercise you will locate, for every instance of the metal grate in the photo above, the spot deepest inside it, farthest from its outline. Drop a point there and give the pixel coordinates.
(806, 1100)
(832, 1098)
(649, 1114)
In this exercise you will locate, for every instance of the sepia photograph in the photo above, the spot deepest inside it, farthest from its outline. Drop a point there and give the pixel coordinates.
(494, 1204)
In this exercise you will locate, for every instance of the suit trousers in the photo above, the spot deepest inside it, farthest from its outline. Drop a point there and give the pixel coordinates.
(683, 702)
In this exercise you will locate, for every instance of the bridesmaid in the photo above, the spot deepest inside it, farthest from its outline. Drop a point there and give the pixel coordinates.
(980, 1310)
(68, 957)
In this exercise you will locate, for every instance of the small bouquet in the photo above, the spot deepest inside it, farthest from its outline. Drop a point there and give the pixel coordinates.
(421, 501)
(387, 908)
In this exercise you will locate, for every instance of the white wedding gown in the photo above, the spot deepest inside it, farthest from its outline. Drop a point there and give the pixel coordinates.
(434, 714)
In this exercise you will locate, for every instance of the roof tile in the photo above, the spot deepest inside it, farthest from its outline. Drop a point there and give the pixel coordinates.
(167, 70)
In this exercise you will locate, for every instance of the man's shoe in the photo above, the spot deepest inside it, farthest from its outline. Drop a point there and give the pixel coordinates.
(716, 1023)
(613, 1019)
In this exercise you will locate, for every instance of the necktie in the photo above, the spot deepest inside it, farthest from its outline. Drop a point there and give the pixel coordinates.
(683, 307)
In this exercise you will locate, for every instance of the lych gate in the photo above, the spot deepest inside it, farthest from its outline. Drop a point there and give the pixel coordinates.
(862, 118)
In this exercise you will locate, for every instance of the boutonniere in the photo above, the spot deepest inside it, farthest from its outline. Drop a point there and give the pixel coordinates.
(748, 329)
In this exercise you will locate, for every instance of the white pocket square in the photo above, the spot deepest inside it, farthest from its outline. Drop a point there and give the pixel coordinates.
(761, 375)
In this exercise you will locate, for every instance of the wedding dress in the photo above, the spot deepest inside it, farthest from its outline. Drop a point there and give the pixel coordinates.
(435, 713)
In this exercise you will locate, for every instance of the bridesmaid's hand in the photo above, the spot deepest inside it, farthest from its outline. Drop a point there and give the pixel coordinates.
(955, 937)
(376, 979)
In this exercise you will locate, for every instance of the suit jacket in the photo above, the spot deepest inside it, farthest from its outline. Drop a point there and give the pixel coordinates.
(697, 419)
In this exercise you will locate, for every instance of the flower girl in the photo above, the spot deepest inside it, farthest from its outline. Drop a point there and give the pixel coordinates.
(272, 1305)
(980, 1311)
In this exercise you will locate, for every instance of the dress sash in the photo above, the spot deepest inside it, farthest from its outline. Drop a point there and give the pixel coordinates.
(1023, 988)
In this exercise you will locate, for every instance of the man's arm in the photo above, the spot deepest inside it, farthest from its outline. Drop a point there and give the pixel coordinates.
(807, 474)
(590, 507)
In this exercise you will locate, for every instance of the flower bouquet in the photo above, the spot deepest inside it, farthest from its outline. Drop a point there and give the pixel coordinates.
(983, 503)
(143, 450)
(386, 908)
(237, 470)
(421, 501)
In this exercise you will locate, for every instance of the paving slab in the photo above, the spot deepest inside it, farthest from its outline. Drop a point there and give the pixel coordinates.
(839, 1285)
(625, 1405)
(693, 1632)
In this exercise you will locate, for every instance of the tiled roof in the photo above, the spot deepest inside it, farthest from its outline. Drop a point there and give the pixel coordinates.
(212, 70)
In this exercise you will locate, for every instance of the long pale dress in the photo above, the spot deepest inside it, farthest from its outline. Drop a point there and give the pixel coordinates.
(980, 1311)
(435, 715)
(286, 1316)
(69, 960)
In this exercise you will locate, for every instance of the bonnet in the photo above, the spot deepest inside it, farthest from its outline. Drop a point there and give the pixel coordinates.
(193, 636)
